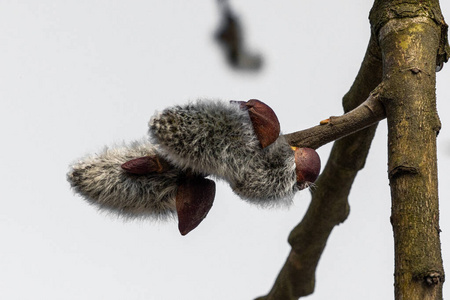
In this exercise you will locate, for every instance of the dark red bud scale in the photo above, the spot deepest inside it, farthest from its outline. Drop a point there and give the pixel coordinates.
(145, 165)
(307, 166)
(264, 120)
(195, 197)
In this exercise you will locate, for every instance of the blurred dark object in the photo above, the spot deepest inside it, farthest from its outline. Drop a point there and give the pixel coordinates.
(229, 37)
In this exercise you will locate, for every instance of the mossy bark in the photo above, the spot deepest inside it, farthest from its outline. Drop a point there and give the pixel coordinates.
(409, 35)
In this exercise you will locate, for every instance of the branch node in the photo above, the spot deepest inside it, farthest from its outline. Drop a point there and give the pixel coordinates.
(415, 70)
(434, 278)
(403, 170)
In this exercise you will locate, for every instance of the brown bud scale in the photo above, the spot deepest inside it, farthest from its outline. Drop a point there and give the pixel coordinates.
(264, 120)
(194, 199)
(145, 165)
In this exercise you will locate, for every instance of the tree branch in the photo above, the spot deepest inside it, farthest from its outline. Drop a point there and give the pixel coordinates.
(366, 114)
(411, 37)
(329, 205)
(407, 91)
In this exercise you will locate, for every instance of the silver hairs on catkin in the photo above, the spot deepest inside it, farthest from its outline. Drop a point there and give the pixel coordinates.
(217, 138)
(102, 182)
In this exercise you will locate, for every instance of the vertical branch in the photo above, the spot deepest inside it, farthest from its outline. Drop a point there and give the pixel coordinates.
(413, 39)
(410, 36)
(329, 205)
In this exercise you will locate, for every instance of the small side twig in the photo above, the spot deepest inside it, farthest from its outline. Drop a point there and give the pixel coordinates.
(368, 113)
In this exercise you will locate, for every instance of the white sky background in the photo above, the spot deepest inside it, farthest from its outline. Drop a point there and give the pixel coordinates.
(78, 75)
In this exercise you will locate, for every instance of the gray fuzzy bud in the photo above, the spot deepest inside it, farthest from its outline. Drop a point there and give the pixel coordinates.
(102, 182)
(217, 138)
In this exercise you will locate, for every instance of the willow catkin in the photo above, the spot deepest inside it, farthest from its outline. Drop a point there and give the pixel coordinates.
(102, 182)
(217, 138)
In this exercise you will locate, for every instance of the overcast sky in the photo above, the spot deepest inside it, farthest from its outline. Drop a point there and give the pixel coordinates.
(79, 75)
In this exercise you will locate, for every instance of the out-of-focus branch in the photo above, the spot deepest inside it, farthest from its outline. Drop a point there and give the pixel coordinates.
(230, 38)
(329, 205)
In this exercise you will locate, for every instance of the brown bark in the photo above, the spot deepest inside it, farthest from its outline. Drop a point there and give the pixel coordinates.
(368, 113)
(410, 36)
(413, 39)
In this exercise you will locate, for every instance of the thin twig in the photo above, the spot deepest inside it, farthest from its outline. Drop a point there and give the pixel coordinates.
(368, 113)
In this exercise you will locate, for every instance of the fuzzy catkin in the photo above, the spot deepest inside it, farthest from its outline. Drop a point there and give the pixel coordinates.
(102, 182)
(217, 138)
